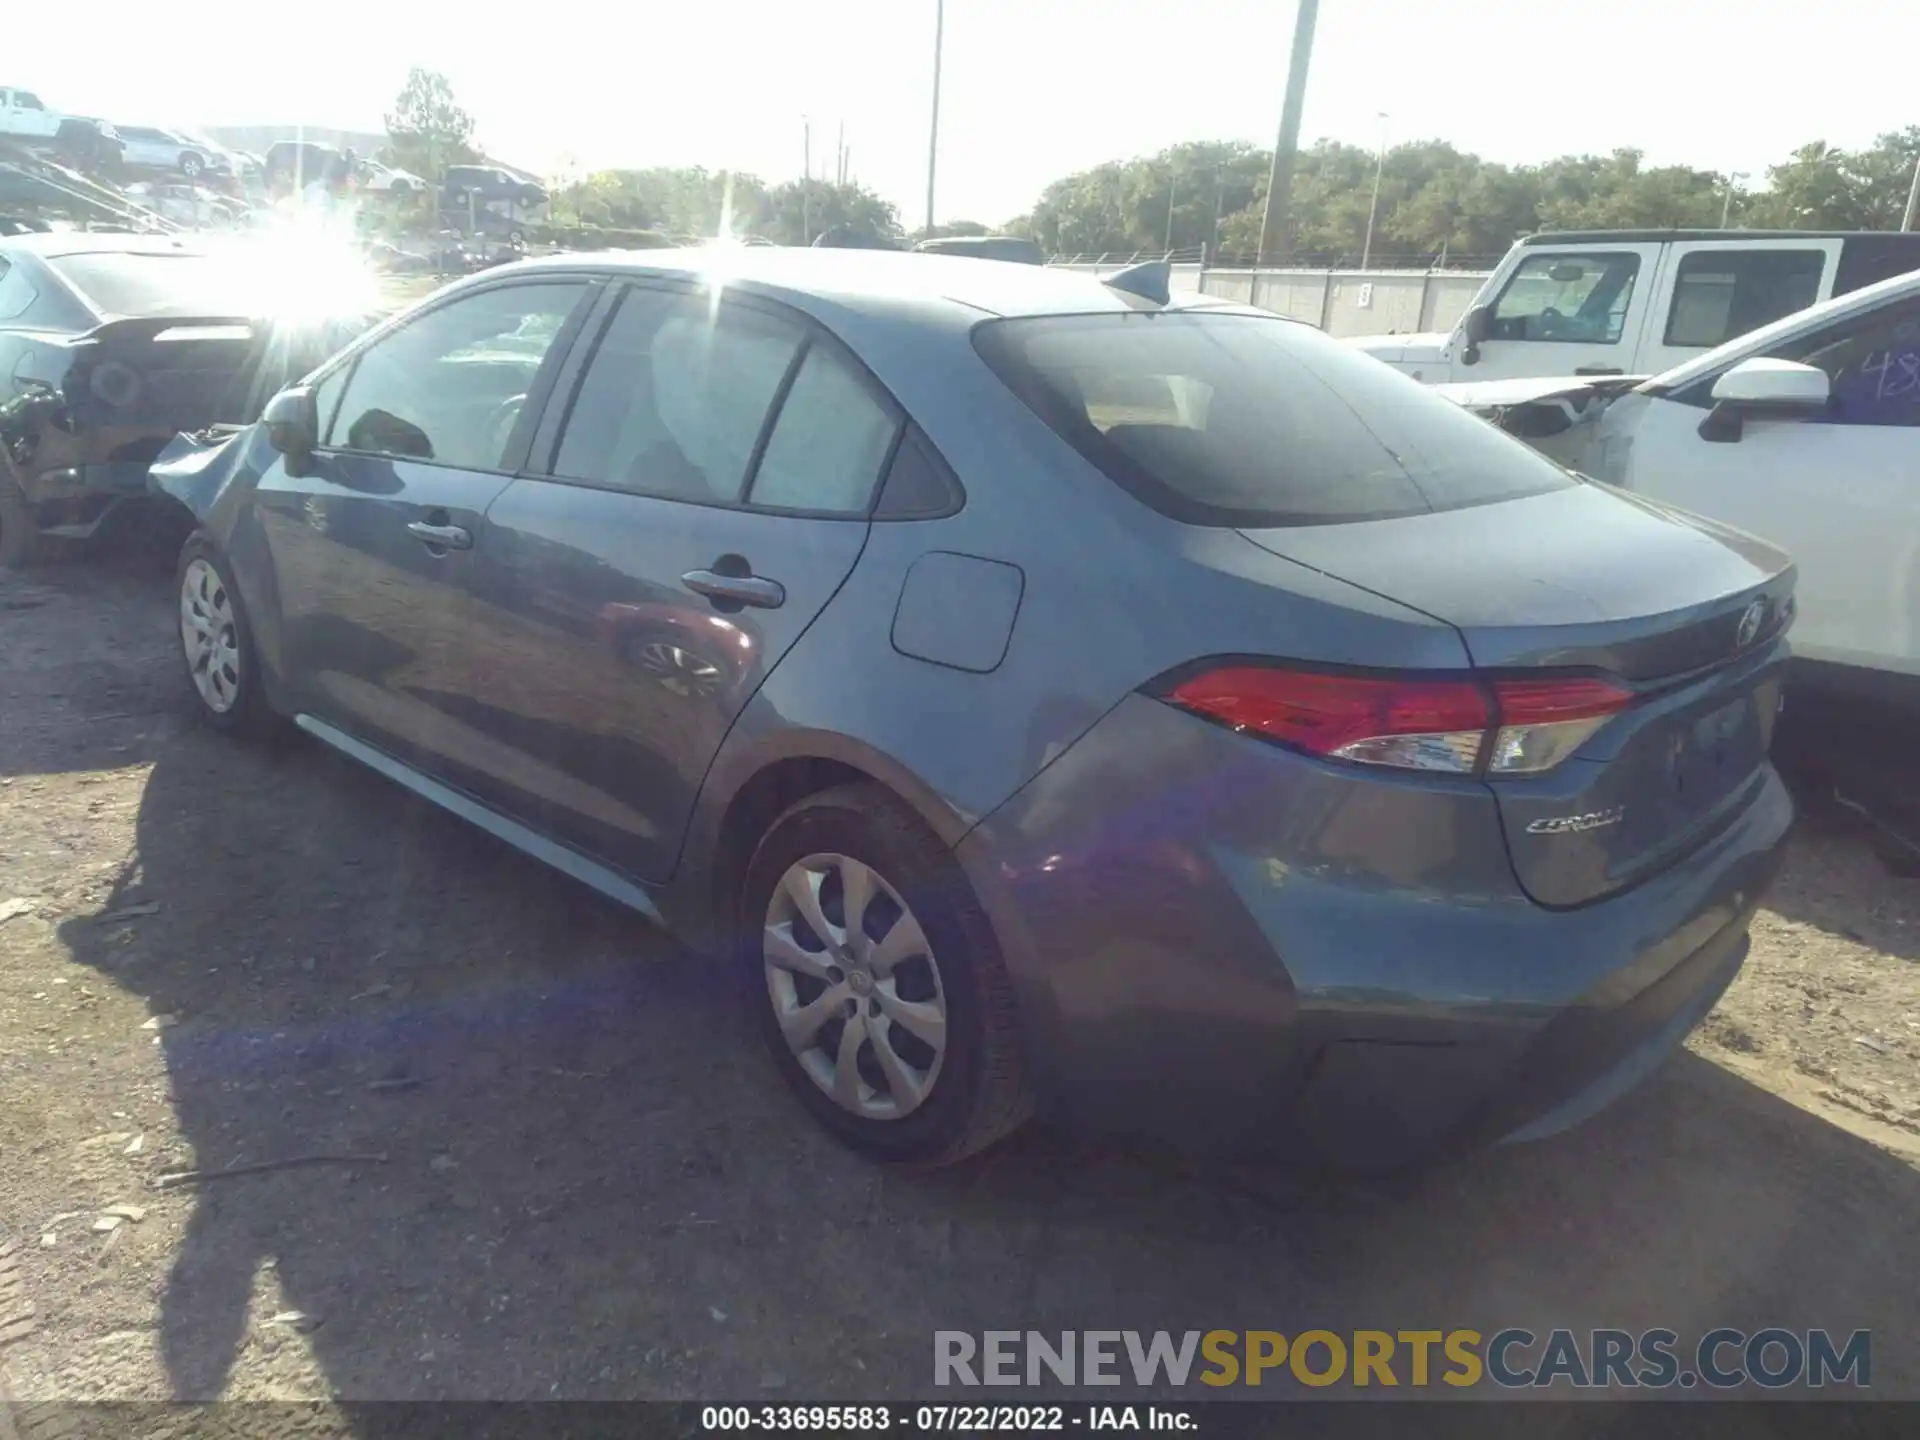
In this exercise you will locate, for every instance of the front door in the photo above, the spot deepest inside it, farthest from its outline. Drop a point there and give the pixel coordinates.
(1839, 492)
(373, 544)
(1566, 312)
(706, 498)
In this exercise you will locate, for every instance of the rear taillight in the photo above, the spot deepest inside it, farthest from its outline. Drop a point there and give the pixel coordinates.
(1506, 727)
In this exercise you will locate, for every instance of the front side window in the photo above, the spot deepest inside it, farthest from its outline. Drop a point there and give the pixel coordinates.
(449, 386)
(1721, 294)
(676, 396)
(24, 101)
(16, 291)
(1572, 299)
(1872, 363)
(1245, 420)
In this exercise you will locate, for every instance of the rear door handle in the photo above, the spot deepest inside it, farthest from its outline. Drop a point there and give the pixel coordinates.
(751, 590)
(441, 537)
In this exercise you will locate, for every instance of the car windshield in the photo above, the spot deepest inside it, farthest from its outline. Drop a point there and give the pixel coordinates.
(136, 284)
(1233, 419)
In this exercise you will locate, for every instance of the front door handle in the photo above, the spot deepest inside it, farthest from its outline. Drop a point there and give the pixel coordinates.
(754, 590)
(441, 537)
(1598, 370)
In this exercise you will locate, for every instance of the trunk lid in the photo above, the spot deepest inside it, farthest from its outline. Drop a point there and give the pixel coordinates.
(1690, 614)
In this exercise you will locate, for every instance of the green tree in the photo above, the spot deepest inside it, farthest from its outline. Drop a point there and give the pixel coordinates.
(799, 210)
(427, 130)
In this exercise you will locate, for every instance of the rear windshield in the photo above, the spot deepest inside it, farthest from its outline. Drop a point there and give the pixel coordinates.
(1246, 420)
(133, 285)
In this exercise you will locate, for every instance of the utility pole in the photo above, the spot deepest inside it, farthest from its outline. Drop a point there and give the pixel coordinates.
(1373, 207)
(806, 180)
(1173, 186)
(1913, 196)
(1274, 223)
(840, 156)
(933, 130)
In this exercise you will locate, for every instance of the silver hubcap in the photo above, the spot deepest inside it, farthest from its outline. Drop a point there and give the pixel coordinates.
(855, 987)
(209, 637)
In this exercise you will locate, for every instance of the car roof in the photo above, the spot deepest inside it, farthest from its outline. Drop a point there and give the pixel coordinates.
(1814, 317)
(53, 244)
(1730, 237)
(873, 281)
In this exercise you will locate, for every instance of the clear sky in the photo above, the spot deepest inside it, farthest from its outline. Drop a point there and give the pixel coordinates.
(1033, 88)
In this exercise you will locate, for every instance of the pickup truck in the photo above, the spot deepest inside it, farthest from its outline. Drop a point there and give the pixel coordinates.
(1638, 302)
(23, 117)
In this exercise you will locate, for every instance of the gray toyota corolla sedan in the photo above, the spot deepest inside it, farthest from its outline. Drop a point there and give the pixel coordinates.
(1062, 696)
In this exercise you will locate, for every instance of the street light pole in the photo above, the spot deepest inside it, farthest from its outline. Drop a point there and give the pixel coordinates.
(1913, 196)
(806, 180)
(933, 129)
(1273, 223)
(1373, 206)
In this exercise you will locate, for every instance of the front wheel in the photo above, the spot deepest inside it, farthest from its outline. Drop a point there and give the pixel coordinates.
(191, 166)
(879, 982)
(217, 644)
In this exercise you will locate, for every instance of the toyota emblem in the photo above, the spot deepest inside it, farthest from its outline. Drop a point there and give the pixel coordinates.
(1750, 622)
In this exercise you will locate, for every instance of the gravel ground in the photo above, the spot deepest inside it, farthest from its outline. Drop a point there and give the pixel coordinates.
(561, 1166)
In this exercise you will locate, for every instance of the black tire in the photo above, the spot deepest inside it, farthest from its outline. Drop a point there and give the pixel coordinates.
(250, 716)
(21, 543)
(191, 165)
(981, 1093)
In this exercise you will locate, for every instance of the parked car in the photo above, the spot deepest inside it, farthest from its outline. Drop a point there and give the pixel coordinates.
(1636, 302)
(986, 247)
(1146, 708)
(299, 163)
(114, 344)
(1806, 432)
(24, 117)
(489, 184)
(385, 178)
(150, 148)
(88, 144)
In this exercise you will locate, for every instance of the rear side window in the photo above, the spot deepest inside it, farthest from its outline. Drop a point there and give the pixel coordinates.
(833, 435)
(676, 396)
(1721, 294)
(1247, 420)
(16, 291)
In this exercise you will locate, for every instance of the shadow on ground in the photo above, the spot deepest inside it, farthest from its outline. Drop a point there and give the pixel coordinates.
(593, 1186)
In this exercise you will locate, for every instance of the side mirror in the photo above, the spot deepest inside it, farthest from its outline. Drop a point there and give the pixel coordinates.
(1761, 386)
(293, 426)
(1479, 323)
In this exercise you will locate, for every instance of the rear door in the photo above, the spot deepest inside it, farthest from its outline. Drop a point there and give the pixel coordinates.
(373, 544)
(709, 474)
(1571, 311)
(1710, 292)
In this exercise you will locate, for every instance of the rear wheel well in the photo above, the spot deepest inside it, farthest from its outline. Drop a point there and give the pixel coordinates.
(755, 807)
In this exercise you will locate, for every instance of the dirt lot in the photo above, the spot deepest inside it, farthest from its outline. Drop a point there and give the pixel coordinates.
(591, 1186)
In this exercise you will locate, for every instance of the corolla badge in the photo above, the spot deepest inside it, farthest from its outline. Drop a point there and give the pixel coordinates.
(1576, 824)
(1750, 623)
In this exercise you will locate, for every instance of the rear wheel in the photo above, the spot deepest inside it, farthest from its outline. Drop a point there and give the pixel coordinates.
(191, 165)
(878, 981)
(217, 645)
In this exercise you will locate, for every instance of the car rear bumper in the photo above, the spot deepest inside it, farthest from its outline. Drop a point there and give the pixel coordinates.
(1232, 947)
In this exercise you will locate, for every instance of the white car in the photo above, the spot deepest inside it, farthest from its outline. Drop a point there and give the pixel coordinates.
(148, 147)
(24, 117)
(1805, 432)
(375, 176)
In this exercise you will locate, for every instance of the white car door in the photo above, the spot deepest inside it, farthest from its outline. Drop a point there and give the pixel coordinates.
(1839, 491)
(1566, 311)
